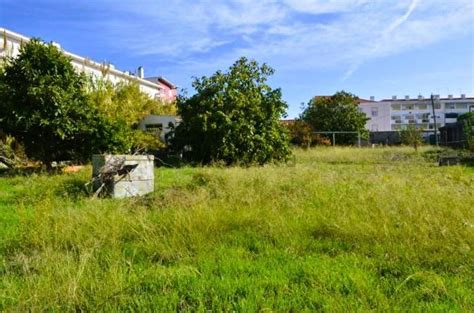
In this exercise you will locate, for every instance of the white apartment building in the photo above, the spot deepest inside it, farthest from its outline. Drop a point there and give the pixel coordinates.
(378, 114)
(10, 43)
(396, 114)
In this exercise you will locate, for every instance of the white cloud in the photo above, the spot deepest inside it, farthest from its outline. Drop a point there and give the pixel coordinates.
(324, 6)
(289, 33)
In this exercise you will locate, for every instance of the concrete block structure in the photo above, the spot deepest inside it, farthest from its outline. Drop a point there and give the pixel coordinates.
(378, 114)
(139, 180)
(159, 125)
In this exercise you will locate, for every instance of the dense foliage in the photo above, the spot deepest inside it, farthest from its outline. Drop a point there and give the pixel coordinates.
(301, 133)
(11, 152)
(467, 121)
(58, 114)
(126, 105)
(125, 101)
(336, 113)
(233, 117)
(44, 106)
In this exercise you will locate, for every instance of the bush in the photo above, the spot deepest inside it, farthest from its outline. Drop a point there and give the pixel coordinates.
(467, 121)
(301, 133)
(125, 101)
(125, 104)
(234, 117)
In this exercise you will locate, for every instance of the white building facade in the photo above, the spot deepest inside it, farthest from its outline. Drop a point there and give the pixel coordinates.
(397, 114)
(10, 43)
(378, 114)
(159, 125)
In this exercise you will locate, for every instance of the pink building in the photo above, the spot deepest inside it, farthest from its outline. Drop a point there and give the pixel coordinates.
(168, 91)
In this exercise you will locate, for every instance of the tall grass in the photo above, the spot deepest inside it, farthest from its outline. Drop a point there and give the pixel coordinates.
(336, 229)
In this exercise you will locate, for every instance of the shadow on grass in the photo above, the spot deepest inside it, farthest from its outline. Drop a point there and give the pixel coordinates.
(465, 157)
(73, 188)
(27, 171)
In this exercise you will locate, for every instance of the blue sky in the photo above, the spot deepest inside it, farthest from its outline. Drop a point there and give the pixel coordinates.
(368, 47)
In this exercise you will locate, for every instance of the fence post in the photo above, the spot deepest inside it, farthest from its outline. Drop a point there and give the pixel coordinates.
(358, 139)
(333, 139)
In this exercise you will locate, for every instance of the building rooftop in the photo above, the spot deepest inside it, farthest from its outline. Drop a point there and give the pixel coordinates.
(93, 64)
(427, 99)
(163, 80)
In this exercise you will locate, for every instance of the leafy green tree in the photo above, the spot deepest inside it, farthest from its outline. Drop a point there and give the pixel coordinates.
(44, 106)
(126, 104)
(467, 121)
(233, 117)
(336, 113)
(412, 136)
(125, 101)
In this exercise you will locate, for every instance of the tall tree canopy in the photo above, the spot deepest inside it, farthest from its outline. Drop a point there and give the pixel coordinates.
(234, 117)
(335, 113)
(44, 106)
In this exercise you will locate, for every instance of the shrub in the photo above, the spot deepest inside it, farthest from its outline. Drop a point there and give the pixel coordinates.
(234, 117)
(301, 133)
(126, 104)
(467, 121)
(125, 101)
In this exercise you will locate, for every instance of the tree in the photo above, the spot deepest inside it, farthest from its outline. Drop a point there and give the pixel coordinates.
(126, 104)
(336, 113)
(44, 106)
(411, 136)
(467, 121)
(125, 101)
(234, 117)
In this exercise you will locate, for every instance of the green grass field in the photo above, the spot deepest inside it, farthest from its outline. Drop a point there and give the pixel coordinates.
(335, 229)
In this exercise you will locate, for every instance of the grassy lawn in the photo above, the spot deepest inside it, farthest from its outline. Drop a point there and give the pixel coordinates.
(335, 229)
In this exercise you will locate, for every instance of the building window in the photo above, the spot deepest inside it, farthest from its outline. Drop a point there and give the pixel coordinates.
(375, 111)
(451, 115)
(422, 106)
(154, 129)
(408, 107)
(396, 107)
(461, 106)
(450, 106)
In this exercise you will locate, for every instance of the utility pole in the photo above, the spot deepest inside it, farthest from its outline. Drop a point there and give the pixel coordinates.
(434, 119)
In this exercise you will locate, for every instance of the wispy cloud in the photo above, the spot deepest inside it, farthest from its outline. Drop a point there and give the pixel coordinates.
(289, 33)
(384, 37)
